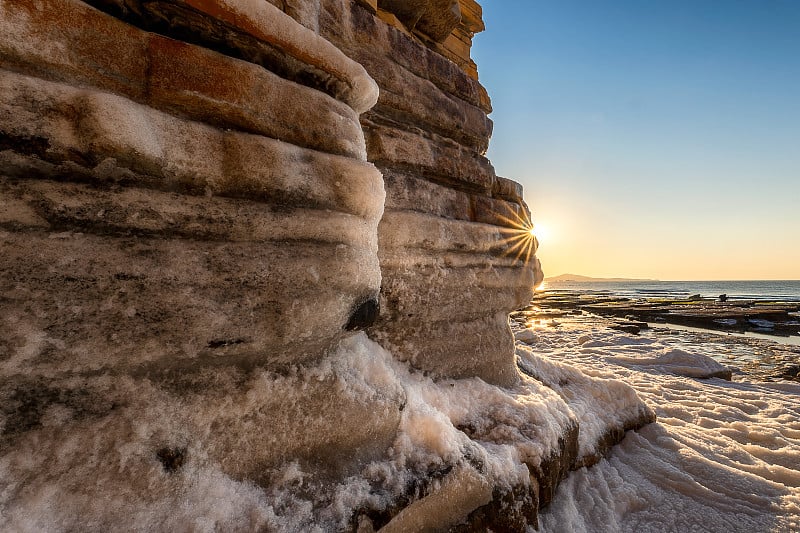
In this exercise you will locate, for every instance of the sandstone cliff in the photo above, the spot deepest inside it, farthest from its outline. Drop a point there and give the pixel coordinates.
(218, 216)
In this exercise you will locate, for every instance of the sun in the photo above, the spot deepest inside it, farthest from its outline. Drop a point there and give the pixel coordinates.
(520, 236)
(540, 232)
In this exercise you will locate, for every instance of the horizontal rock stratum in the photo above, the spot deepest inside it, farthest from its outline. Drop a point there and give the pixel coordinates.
(256, 273)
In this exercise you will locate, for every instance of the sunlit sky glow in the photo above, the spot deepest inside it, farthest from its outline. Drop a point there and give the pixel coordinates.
(654, 139)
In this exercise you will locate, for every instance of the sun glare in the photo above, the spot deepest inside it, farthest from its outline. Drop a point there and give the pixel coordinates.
(522, 235)
(540, 232)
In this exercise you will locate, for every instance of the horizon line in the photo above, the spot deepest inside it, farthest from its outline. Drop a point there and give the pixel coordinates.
(625, 278)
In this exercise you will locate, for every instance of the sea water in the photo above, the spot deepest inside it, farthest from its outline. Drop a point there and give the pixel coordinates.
(786, 290)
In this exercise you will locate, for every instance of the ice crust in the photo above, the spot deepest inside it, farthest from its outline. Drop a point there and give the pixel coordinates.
(673, 361)
(96, 474)
(723, 456)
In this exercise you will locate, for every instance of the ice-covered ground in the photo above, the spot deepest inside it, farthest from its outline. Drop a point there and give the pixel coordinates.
(723, 456)
(76, 472)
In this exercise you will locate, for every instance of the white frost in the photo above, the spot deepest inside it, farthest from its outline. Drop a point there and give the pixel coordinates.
(723, 456)
(674, 361)
(101, 473)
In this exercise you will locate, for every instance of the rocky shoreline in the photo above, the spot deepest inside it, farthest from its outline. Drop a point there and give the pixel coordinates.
(713, 327)
(780, 318)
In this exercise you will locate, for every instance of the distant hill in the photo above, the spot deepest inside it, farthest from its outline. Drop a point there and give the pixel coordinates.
(575, 278)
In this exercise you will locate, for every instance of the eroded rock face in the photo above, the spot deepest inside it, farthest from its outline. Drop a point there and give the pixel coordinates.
(437, 18)
(171, 208)
(454, 251)
(207, 206)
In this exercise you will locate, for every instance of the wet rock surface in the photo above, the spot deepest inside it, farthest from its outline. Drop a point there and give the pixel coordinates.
(752, 354)
(774, 318)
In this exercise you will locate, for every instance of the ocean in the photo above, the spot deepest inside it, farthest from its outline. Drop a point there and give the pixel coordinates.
(740, 290)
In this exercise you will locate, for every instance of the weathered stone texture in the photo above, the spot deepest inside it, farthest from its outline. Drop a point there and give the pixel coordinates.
(260, 34)
(427, 135)
(365, 37)
(447, 26)
(203, 199)
(172, 76)
(171, 208)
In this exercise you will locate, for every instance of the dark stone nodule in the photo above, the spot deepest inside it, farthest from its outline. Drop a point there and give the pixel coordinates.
(171, 458)
(222, 343)
(791, 373)
(629, 327)
(26, 144)
(364, 315)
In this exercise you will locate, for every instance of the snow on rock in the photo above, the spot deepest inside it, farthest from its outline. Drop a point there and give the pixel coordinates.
(194, 231)
(159, 460)
(526, 336)
(604, 408)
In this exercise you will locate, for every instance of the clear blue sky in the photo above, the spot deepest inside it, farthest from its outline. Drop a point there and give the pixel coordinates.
(656, 139)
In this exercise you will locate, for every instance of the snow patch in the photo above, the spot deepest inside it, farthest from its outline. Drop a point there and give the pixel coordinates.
(526, 336)
(678, 362)
(723, 456)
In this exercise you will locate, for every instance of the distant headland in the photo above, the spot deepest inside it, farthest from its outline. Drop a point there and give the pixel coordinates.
(587, 279)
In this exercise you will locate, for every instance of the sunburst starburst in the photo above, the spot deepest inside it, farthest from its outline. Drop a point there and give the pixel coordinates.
(521, 237)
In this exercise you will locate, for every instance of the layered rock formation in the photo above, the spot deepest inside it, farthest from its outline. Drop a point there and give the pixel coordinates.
(172, 213)
(452, 242)
(204, 202)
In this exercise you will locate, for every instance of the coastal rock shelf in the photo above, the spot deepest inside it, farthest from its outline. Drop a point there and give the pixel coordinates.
(256, 271)
(751, 352)
(773, 318)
